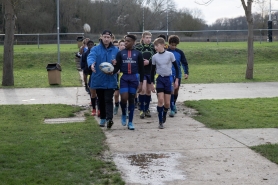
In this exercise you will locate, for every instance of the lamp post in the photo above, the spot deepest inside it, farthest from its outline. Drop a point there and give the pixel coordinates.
(167, 21)
(269, 24)
(58, 31)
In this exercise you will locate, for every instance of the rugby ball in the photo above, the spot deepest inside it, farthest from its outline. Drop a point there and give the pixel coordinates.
(106, 67)
(87, 28)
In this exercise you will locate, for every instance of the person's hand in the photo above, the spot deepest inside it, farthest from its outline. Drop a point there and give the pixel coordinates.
(185, 76)
(114, 62)
(93, 67)
(146, 62)
(152, 88)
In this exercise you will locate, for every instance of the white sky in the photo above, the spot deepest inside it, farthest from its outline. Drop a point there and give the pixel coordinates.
(220, 8)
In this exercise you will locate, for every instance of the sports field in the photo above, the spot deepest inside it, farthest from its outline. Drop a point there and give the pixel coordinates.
(209, 62)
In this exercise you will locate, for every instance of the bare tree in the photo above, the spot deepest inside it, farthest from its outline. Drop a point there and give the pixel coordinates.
(8, 76)
(250, 59)
(248, 13)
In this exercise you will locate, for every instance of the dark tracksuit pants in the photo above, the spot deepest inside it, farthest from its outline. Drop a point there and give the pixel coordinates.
(105, 99)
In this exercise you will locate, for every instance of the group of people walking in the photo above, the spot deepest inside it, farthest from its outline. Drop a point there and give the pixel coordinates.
(140, 68)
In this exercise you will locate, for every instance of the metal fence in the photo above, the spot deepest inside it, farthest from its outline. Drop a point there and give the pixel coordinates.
(260, 35)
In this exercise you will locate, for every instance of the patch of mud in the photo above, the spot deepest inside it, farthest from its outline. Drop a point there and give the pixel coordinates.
(180, 108)
(149, 168)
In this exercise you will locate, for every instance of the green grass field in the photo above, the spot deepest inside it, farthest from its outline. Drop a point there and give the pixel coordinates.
(208, 63)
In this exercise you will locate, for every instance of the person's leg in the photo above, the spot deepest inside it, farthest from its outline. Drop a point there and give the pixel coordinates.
(172, 103)
(85, 78)
(176, 94)
(93, 101)
(124, 97)
(142, 96)
(148, 96)
(133, 85)
(160, 99)
(116, 99)
(168, 89)
(108, 98)
(101, 100)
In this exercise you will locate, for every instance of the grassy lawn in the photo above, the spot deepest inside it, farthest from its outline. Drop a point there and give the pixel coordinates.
(36, 153)
(208, 63)
(30, 65)
(240, 114)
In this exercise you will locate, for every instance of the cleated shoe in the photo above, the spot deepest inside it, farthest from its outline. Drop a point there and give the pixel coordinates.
(94, 112)
(142, 114)
(124, 120)
(116, 110)
(130, 126)
(161, 126)
(148, 114)
(102, 123)
(172, 113)
(109, 123)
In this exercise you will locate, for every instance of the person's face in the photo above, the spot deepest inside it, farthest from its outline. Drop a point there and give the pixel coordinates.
(172, 46)
(147, 39)
(106, 39)
(116, 44)
(121, 46)
(90, 45)
(159, 47)
(129, 43)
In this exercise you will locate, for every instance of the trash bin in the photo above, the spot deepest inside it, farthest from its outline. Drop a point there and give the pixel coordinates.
(54, 73)
(79, 41)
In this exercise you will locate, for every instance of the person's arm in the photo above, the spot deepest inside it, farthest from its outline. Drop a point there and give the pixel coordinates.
(176, 68)
(118, 63)
(91, 59)
(184, 62)
(141, 67)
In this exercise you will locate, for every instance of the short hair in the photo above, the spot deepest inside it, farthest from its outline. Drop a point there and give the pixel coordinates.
(90, 41)
(114, 42)
(133, 37)
(161, 36)
(158, 41)
(145, 33)
(174, 39)
(122, 40)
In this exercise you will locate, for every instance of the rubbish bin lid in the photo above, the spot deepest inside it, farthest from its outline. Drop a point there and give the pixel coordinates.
(53, 66)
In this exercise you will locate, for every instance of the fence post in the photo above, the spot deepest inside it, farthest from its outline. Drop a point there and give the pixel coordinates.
(38, 40)
(260, 36)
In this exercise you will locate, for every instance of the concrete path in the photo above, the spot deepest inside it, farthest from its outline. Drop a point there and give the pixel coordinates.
(185, 152)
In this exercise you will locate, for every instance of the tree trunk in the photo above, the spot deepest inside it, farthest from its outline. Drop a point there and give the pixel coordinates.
(8, 76)
(250, 59)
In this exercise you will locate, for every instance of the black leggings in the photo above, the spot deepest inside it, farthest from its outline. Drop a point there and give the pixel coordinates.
(105, 99)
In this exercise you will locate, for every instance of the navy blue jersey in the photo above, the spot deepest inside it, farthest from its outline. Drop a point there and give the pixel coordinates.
(130, 62)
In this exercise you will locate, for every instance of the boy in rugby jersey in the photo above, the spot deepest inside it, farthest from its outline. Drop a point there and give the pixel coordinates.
(162, 63)
(173, 41)
(147, 50)
(130, 62)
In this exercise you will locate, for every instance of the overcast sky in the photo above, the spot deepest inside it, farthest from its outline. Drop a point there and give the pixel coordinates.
(219, 8)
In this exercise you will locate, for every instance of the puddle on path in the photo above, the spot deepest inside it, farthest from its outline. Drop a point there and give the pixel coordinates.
(149, 168)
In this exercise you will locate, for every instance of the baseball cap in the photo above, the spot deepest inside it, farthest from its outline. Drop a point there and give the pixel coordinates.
(107, 32)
